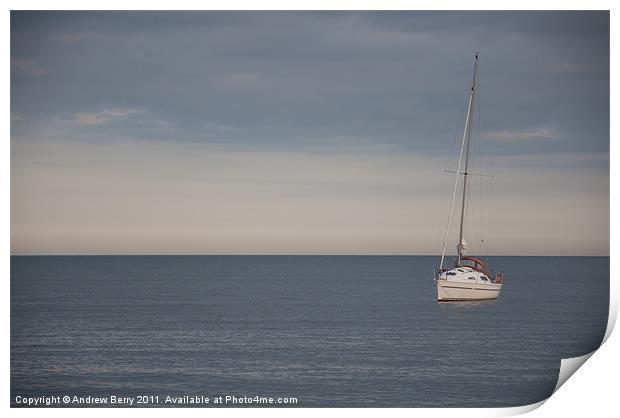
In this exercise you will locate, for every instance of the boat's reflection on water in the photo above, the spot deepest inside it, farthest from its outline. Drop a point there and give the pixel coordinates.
(467, 304)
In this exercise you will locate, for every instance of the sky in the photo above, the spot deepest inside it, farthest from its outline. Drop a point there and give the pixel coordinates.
(307, 132)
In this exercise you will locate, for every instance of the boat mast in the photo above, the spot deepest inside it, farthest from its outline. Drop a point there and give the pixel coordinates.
(466, 136)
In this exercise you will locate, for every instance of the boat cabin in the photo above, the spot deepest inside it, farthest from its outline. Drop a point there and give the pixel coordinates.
(476, 264)
(471, 270)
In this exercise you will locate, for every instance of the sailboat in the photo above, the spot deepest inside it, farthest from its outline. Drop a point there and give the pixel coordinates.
(470, 278)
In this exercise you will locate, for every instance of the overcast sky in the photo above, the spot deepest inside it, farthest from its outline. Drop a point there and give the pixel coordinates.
(306, 133)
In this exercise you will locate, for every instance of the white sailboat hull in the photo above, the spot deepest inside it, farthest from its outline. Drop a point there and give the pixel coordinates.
(448, 291)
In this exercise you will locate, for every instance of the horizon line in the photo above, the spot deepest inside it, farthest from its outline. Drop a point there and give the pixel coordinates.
(288, 254)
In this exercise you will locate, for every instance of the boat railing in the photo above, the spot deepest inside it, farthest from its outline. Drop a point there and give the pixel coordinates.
(438, 271)
(499, 277)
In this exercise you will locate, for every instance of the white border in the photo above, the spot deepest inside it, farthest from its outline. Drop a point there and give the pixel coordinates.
(592, 392)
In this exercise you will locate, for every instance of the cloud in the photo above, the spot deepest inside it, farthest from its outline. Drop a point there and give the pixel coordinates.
(523, 134)
(239, 82)
(70, 38)
(16, 117)
(23, 67)
(275, 87)
(85, 119)
(100, 197)
(218, 127)
(92, 37)
(288, 78)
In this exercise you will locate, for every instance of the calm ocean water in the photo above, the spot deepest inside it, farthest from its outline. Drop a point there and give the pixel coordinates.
(333, 331)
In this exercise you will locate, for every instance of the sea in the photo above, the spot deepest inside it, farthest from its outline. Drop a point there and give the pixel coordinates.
(311, 331)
